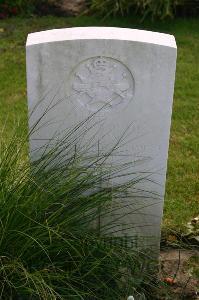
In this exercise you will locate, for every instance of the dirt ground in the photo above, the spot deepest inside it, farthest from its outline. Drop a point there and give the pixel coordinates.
(179, 272)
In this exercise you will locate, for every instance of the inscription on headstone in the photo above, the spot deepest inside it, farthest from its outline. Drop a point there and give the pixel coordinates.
(102, 82)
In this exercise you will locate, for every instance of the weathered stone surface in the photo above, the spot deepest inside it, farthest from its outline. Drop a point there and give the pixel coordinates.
(130, 75)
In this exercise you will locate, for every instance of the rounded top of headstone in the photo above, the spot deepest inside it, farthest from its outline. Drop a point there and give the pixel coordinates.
(103, 33)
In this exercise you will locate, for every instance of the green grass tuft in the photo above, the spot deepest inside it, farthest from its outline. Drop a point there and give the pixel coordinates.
(51, 246)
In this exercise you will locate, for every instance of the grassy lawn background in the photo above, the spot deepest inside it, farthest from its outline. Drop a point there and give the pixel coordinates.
(182, 190)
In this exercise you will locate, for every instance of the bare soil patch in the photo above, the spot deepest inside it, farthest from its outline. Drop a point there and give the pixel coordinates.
(179, 272)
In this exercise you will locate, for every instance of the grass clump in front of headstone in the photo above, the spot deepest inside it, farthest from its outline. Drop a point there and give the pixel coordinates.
(51, 244)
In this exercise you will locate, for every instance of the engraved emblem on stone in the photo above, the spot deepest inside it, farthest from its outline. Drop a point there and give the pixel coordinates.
(102, 83)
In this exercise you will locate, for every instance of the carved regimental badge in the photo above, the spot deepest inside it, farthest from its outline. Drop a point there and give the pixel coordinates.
(102, 82)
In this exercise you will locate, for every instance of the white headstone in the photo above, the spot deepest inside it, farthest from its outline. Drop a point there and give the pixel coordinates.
(130, 74)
